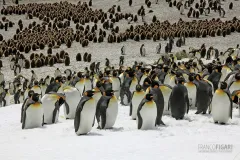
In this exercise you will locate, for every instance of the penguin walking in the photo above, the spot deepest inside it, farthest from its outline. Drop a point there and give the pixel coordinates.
(34, 76)
(137, 97)
(147, 113)
(51, 102)
(17, 96)
(5, 98)
(121, 60)
(17, 69)
(107, 110)
(179, 102)
(33, 113)
(85, 112)
(222, 105)
(71, 102)
(123, 50)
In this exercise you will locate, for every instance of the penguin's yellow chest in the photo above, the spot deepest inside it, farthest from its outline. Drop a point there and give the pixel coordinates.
(150, 104)
(36, 105)
(220, 92)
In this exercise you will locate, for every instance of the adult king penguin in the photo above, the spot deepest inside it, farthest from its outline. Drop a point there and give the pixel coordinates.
(178, 101)
(30, 93)
(51, 103)
(166, 91)
(71, 102)
(221, 105)
(147, 113)
(192, 91)
(33, 113)
(107, 110)
(84, 116)
(137, 97)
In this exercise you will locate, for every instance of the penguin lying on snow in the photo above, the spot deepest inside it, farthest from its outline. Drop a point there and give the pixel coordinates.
(221, 105)
(107, 110)
(147, 113)
(33, 113)
(85, 112)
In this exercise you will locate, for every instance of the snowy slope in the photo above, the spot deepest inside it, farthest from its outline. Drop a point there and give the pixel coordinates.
(179, 140)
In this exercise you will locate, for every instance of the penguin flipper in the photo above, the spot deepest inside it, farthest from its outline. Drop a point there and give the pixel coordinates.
(93, 121)
(67, 107)
(103, 116)
(24, 119)
(43, 121)
(130, 113)
(54, 114)
(140, 120)
(77, 118)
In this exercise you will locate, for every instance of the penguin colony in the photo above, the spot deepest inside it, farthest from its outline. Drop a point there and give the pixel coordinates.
(166, 87)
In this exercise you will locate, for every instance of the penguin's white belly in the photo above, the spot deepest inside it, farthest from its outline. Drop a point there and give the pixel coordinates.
(149, 115)
(37, 90)
(111, 113)
(72, 99)
(116, 87)
(21, 98)
(7, 98)
(172, 82)
(80, 87)
(234, 86)
(26, 94)
(136, 100)
(88, 85)
(48, 104)
(87, 117)
(133, 86)
(230, 79)
(34, 117)
(97, 96)
(221, 108)
(192, 91)
(166, 96)
(43, 90)
(142, 79)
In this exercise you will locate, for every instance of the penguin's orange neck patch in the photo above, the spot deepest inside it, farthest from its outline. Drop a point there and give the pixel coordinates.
(220, 92)
(149, 104)
(36, 105)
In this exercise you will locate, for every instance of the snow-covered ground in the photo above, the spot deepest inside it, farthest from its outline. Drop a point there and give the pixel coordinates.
(178, 140)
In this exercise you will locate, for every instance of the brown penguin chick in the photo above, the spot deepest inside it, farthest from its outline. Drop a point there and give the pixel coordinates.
(85, 57)
(32, 56)
(231, 6)
(78, 57)
(38, 63)
(89, 58)
(69, 43)
(51, 61)
(33, 63)
(49, 51)
(67, 61)
(27, 64)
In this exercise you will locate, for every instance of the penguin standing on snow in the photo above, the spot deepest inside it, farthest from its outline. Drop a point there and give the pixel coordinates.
(36, 88)
(178, 101)
(192, 91)
(166, 91)
(222, 105)
(137, 97)
(123, 50)
(17, 96)
(147, 113)
(158, 49)
(85, 112)
(107, 110)
(72, 99)
(33, 113)
(57, 73)
(142, 50)
(5, 98)
(34, 76)
(17, 69)
(30, 94)
(159, 100)
(116, 84)
(51, 103)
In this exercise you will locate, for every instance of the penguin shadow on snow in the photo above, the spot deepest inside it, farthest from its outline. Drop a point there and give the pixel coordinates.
(92, 134)
(115, 129)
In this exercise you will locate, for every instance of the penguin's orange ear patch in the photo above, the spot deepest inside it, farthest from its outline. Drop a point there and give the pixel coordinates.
(36, 105)
(220, 92)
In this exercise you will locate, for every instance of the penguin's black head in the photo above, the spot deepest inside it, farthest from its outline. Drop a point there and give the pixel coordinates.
(35, 82)
(89, 93)
(69, 78)
(190, 78)
(109, 92)
(98, 84)
(223, 85)
(237, 76)
(180, 80)
(138, 87)
(155, 84)
(35, 97)
(30, 93)
(149, 97)
(58, 79)
(115, 74)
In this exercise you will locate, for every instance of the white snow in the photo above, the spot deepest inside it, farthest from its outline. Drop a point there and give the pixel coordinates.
(179, 140)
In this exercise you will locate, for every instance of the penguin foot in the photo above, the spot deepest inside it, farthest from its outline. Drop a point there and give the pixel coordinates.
(67, 118)
(222, 123)
(198, 112)
(216, 122)
(98, 127)
(204, 113)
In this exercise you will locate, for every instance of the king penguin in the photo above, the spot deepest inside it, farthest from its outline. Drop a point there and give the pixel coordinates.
(147, 113)
(137, 97)
(221, 105)
(116, 84)
(84, 116)
(192, 91)
(166, 91)
(107, 110)
(51, 102)
(28, 97)
(33, 113)
(72, 99)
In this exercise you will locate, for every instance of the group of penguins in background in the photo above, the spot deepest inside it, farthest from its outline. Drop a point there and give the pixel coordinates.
(166, 87)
